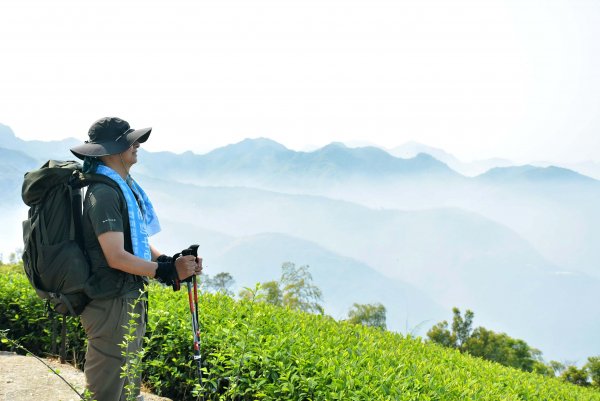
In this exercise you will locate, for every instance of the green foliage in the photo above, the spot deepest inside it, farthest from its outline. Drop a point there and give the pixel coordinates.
(294, 290)
(16, 257)
(487, 344)
(299, 292)
(557, 367)
(372, 315)
(574, 375)
(269, 292)
(222, 282)
(462, 328)
(499, 347)
(257, 351)
(27, 318)
(11, 268)
(440, 334)
(593, 367)
(131, 350)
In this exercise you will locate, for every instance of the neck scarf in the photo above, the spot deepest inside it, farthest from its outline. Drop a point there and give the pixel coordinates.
(143, 221)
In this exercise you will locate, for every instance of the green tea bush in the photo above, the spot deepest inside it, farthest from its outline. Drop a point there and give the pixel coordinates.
(25, 315)
(256, 351)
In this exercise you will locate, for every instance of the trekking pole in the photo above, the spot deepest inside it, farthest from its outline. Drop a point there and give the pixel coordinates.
(193, 301)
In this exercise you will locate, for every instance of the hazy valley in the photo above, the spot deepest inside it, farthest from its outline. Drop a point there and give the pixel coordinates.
(515, 244)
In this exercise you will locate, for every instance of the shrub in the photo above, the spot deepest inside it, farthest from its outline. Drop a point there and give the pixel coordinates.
(257, 351)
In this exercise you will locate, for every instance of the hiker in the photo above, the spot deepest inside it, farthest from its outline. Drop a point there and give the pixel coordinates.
(116, 227)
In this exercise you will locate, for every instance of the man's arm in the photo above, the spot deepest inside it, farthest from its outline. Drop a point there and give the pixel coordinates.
(112, 244)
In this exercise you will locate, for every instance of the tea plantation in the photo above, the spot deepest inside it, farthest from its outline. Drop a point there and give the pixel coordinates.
(255, 351)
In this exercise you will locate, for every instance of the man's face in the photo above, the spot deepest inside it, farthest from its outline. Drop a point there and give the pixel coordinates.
(130, 155)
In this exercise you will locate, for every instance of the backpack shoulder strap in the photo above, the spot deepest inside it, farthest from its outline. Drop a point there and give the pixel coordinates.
(85, 179)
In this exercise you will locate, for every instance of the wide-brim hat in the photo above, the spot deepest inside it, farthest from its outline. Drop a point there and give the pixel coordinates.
(110, 136)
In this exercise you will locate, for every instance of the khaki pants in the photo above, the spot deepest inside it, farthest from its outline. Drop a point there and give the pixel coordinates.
(103, 322)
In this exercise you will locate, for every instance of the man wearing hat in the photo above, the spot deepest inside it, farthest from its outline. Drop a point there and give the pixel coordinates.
(116, 229)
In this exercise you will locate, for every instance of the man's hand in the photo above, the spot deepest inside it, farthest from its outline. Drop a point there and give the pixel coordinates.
(187, 266)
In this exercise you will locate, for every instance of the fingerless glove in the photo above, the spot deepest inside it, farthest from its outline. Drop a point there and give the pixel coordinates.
(166, 272)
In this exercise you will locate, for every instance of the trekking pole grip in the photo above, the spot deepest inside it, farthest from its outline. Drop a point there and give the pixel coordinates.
(191, 250)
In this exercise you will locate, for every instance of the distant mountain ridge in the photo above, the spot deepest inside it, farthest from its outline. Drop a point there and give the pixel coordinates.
(266, 163)
(532, 173)
(268, 159)
(263, 162)
(470, 169)
(39, 150)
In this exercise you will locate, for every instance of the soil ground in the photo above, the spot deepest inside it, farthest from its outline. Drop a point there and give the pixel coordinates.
(24, 378)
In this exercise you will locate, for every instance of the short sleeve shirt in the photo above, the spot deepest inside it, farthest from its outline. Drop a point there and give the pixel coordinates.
(104, 210)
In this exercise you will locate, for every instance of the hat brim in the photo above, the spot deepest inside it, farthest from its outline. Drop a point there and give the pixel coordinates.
(112, 147)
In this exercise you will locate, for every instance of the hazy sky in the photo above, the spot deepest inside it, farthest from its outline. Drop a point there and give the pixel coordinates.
(517, 79)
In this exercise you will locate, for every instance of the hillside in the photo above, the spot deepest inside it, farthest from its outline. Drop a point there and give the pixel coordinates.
(262, 351)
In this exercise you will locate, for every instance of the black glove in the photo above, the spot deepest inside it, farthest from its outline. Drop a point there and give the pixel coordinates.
(166, 272)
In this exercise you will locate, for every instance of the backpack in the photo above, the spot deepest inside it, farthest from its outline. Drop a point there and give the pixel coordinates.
(54, 257)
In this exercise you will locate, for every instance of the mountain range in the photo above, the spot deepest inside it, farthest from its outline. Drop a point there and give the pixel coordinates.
(516, 244)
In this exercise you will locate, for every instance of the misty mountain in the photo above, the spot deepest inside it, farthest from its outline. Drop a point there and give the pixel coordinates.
(556, 213)
(518, 246)
(533, 175)
(589, 168)
(38, 150)
(553, 208)
(13, 160)
(13, 165)
(266, 164)
(456, 258)
(412, 149)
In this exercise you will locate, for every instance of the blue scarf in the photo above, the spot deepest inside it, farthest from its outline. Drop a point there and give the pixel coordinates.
(142, 218)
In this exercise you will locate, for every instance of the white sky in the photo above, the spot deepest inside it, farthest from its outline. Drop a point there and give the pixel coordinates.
(481, 78)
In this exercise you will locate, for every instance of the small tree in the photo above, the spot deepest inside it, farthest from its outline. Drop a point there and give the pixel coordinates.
(270, 292)
(462, 328)
(575, 375)
(557, 367)
(372, 315)
(593, 367)
(487, 344)
(298, 290)
(222, 282)
(440, 334)
(501, 348)
(294, 290)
